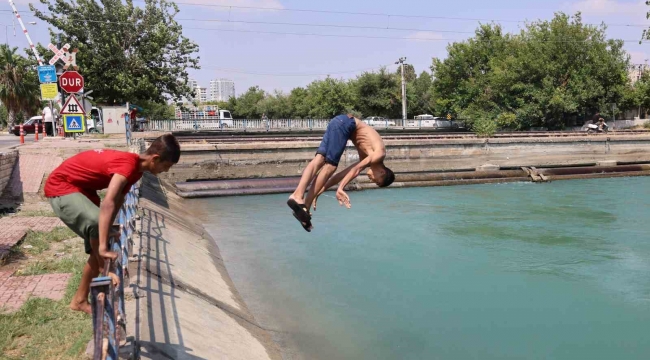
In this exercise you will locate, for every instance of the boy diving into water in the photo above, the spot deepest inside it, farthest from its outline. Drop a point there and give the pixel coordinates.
(320, 170)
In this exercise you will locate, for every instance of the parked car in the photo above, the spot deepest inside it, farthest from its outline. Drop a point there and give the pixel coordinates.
(29, 126)
(431, 121)
(378, 121)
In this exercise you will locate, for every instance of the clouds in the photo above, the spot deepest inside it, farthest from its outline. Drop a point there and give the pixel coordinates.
(635, 9)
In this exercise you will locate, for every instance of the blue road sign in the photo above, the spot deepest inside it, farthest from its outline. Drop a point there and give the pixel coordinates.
(47, 74)
(74, 123)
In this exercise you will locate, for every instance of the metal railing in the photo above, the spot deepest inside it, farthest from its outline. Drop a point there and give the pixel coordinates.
(288, 124)
(107, 300)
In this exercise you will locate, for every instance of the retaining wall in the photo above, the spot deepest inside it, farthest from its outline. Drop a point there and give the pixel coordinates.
(7, 161)
(241, 160)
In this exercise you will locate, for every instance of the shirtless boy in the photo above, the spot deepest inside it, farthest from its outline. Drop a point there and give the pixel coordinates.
(320, 170)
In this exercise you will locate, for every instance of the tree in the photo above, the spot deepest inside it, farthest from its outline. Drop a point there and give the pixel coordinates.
(549, 74)
(156, 111)
(328, 98)
(19, 90)
(378, 94)
(420, 95)
(246, 106)
(126, 53)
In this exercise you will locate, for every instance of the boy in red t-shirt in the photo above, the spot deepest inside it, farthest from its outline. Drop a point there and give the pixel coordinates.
(72, 191)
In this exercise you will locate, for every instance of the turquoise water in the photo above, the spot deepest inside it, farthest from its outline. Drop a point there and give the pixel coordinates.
(507, 271)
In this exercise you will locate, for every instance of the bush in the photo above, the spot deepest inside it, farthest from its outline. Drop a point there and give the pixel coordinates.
(484, 127)
(507, 121)
(646, 125)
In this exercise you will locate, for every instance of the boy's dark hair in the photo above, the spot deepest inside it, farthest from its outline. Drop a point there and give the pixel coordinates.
(389, 177)
(166, 147)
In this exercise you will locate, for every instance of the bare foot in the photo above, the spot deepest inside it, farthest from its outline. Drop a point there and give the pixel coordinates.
(83, 306)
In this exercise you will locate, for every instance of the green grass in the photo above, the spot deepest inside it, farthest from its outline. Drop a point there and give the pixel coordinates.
(46, 329)
(63, 265)
(40, 241)
(32, 213)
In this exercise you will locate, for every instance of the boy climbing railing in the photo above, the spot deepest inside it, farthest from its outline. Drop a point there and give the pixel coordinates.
(107, 300)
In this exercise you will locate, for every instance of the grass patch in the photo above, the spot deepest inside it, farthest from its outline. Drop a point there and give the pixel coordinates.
(40, 241)
(46, 329)
(32, 213)
(100, 136)
(63, 265)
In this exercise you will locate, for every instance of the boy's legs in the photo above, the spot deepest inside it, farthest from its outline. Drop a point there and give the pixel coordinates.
(307, 177)
(82, 216)
(91, 269)
(326, 172)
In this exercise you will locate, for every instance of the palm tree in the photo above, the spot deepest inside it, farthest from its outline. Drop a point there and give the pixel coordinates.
(19, 89)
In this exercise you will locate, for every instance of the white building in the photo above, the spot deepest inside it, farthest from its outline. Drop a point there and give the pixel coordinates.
(194, 85)
(202, 94)
(221, 90)
(635, 72)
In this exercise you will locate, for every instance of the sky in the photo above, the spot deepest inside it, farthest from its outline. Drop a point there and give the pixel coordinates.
(253, 46)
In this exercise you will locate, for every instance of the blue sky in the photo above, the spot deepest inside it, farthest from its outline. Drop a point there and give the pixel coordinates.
(234, 50)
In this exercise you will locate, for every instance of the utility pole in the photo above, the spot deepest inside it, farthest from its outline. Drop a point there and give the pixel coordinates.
(401, 61)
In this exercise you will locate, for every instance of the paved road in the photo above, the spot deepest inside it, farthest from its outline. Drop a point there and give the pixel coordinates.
(11, 140)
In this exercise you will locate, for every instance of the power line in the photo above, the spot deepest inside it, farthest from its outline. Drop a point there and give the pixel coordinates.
(289, 74)
(359, 13)
(369, 14)
(412, 38)
(324, 25)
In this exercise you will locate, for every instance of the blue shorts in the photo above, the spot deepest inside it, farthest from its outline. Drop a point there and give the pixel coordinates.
(336, 137)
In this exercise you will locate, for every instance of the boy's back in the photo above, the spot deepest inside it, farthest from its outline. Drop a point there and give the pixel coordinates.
(90, 171)
(367, 140)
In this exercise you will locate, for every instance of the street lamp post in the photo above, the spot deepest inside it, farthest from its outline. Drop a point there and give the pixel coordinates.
(401, 61)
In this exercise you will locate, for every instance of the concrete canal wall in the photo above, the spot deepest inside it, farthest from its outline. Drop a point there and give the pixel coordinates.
(219, 159)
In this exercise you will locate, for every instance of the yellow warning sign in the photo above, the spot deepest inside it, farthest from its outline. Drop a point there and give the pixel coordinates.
(49, 91)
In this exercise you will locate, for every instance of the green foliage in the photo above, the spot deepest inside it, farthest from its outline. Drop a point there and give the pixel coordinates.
(378, 94)
(507, 121)
(484, 127)
(3, 117)
(247, 105)
(138, 54)
(547, 75)
(19, 89)
(646, 125)
(156, 111)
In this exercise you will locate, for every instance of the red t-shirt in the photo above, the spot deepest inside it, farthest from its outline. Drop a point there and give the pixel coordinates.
(92, 170)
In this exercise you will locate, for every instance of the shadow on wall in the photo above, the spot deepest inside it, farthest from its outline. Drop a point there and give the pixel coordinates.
(157, 292)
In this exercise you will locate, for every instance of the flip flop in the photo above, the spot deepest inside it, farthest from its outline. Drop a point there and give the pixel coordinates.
(307, 226)
(300, 210)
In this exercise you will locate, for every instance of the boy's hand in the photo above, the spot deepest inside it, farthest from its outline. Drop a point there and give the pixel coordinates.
(114, 278)
(343, 198)
(108, 255)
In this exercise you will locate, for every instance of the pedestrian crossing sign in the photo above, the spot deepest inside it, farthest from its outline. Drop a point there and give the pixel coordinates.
(74, 123)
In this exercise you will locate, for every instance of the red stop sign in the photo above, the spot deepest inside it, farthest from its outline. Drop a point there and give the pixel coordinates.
(71, 82)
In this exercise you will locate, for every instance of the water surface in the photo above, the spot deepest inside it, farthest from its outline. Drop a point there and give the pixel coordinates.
(507, 271)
